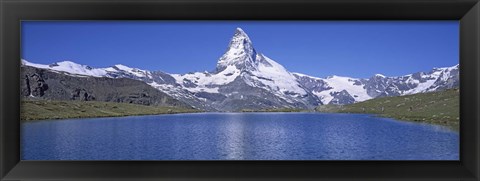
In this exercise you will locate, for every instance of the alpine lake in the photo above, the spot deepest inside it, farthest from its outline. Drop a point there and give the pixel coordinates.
(237, 136)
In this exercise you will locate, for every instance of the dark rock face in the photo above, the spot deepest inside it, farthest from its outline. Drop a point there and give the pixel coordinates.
(82, 94)
(45, 84)
(162, 78)
(376, 85)
(238, 95)
(35, 85)
(341, 98)
(211, 96)
(26, 91)
(450, 79)
(188, 83)
(311, 84)
(243, 96)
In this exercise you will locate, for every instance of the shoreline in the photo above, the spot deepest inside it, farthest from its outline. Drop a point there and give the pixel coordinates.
(454, 127)
(113, 116)
(147, 114)
(41, 110)
(448, 123)
(437, 108)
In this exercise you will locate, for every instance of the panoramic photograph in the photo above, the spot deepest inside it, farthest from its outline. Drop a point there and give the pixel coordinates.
(240, 90)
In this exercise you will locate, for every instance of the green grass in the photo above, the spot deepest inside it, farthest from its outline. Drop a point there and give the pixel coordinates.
(45, 109)
(440, 108)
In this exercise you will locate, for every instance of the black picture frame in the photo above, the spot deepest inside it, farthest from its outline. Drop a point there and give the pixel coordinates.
(466, 11)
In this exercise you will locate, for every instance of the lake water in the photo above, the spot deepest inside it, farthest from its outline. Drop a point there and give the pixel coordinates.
(238, 136)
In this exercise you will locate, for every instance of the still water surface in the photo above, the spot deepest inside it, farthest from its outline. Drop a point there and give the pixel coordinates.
(238, 136)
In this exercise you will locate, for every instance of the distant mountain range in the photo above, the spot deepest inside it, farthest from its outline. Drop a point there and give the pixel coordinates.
(247, 79)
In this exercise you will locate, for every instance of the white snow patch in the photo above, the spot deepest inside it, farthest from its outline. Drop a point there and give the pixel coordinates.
(276, 77)
(205, 80)
(70, 68)
(421, 87)
(380, 75)
(201, 78)
(133, 71)
(339, 84)
(27, 63)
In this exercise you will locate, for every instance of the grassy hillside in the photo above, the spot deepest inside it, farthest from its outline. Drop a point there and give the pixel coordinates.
(46, 109)
(436, 107)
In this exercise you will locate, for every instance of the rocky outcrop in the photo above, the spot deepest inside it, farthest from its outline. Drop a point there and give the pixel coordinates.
(82, 94)
(341, 98)
(35, 85)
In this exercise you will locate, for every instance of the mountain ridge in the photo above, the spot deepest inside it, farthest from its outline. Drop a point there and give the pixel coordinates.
(42, 84)
(247, 79)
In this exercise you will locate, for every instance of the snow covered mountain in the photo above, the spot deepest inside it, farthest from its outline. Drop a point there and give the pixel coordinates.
(246, 79)
(347, 90)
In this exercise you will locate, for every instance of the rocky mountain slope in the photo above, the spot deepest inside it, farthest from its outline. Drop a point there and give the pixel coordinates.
(45, 84)
(246, 79)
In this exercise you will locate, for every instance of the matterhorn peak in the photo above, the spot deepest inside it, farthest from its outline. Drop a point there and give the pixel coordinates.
(241, 35)
(239, 30)
(240, 52)
(240, 41)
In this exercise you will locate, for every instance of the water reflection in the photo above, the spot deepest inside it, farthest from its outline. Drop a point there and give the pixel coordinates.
(238, 136)
(233, 141)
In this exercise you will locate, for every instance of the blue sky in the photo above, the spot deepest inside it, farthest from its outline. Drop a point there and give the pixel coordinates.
(317, 48)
